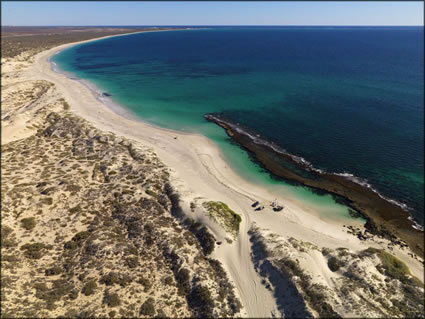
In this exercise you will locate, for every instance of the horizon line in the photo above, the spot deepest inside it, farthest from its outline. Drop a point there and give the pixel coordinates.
(223, 25)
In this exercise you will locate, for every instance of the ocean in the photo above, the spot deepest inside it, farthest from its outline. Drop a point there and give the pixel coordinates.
(349, 100)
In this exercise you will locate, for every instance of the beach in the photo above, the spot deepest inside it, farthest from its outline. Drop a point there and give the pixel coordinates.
(199, 173)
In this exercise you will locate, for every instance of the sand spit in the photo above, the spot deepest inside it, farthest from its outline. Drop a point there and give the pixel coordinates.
(62, 143)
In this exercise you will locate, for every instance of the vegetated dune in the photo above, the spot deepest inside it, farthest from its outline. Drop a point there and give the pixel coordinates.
(308, 280)
(87, 218)
(87, 228)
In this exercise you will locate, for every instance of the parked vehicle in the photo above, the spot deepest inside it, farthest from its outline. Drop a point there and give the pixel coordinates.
(277, 208)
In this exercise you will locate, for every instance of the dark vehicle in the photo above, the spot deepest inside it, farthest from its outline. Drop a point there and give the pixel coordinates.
(277, 208)
(255, 204)
(260, 208)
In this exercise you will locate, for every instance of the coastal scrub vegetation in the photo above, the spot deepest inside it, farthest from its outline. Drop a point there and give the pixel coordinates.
(370, 283)
(65, 104)
(205, 238)
(223, 215)
(89, 288)
(111, 299)
(200, 299)
(103, 240)
(34, 251)
(393, 267)
(55, 270)
(281, 270)
(28, 223)
(334, 264)
(7, 237)
(148, 308)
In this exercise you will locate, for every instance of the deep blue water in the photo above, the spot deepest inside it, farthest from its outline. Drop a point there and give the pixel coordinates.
(346, 99)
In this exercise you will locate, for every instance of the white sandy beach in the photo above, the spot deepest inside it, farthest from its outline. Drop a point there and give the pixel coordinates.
(199, 171)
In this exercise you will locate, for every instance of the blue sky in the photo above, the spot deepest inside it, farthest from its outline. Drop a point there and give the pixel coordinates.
(212, 13)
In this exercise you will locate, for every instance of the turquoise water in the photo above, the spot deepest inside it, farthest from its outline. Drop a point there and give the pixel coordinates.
(345, 99)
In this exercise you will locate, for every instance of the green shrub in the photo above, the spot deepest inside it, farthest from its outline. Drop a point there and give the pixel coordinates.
(112, 300)
(393, 266)
(48, 200)
(73, 294)
(151, 193)
(70, 245)
(132, 262)
(183, 281)
(55, 270)
(5, 231)
(206, 239)
(326, 251)
(41, 286)
(201, 300)
(33, 251)
(89, 288)
(9, 258)
(73, 188)
(342, 251)
(333, 264)
(71, 313)
(110, 279)
(28, 223)
(148, 308)
(113, 279)
(77, 240)
(59, 289)
(75, 209)
(7, 242)
(168, 280)
(65, 105)
(145, 282)
(83, 235)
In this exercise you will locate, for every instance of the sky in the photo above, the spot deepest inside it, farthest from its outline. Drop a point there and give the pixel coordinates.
(86, 13)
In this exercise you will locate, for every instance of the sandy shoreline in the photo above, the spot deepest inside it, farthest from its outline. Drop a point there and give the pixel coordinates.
(199, 171)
